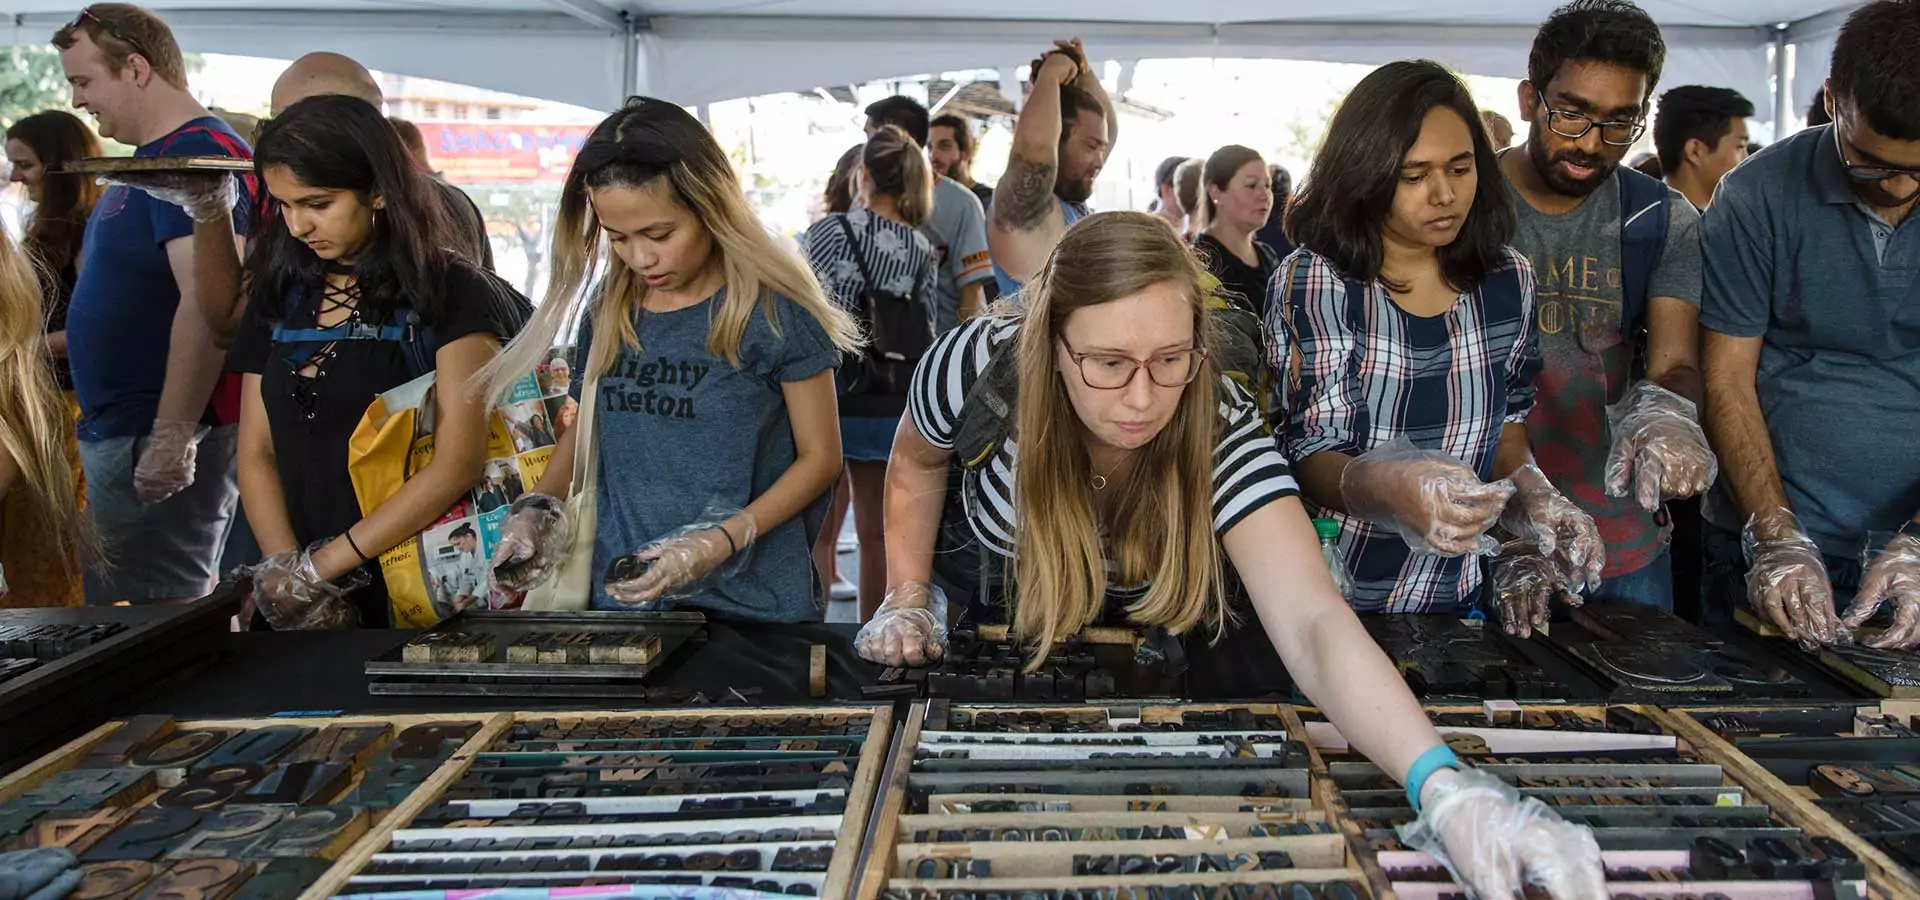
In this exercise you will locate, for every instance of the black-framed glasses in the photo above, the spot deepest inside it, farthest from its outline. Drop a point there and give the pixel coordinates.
(1574, 126)
(88, 15)
(1876, 175)
(1111, 372)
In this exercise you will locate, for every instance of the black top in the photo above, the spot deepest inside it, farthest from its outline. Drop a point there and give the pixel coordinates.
(312, 418)
(56, 297)
(469, 226)
(984, 192)
(1273, 235)
(1247, 284)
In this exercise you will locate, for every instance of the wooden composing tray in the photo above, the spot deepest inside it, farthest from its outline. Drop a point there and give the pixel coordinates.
(260, 809)
(569, 654)
(1877, 672)
(1001, 800)
(114, 165)
(1656, 797)
(774, 800)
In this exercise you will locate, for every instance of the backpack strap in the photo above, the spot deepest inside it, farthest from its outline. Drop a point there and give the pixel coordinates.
(859, 254)
(987, 411)
(1644, 220)
(416, 340)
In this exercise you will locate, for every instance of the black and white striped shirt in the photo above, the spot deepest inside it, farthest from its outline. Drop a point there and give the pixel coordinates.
(1248, 470)
(900, 258)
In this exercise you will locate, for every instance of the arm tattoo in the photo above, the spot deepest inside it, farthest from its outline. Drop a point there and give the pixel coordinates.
(1025, 194)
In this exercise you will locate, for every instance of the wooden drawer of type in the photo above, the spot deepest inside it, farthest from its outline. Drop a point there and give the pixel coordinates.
(762, 802)
(1671, 820)
(254, 809)
(1104, 801)
(1851, 767)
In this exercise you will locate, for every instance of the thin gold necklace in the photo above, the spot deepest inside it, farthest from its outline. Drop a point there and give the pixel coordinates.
(1100, 481)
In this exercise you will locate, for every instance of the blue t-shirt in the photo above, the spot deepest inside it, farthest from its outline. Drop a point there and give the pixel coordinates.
(1833, 291)
(1071, 212)
(681, 431)
(121, 320)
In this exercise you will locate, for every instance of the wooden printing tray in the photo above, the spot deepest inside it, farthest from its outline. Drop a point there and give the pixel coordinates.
(1833, 663)
(376, 830)
(673, 629)
(849, 843)
(1643, 860)
(116, 165)
(1320, 857)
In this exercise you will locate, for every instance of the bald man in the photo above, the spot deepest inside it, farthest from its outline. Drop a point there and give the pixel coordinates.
(331, 73)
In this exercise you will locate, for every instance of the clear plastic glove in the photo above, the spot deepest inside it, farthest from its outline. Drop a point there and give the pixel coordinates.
(1496, 842)
(1659, 449)
(290, 593)
(909, 628)
(1787, 579)
(1525, 583)
(1562, 531)
(1434, 501)
(691, 559)
(45, 873)
(533, 541)
(206, 196)
(1893, 574)
(166, 461)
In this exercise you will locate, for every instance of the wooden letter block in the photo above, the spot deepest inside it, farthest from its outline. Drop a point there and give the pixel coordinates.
(211, 787)
(119, 880)
(300, 784)
(198, 879)
(132, 736)
(149, 835)
(315, 832)
(350, 745)
(170, 759)
(82, 789)
(259, 745)
(77, 832)
(230, 833)
(282, 879)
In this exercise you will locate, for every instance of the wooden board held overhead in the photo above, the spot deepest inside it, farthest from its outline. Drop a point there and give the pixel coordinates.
(116, 165)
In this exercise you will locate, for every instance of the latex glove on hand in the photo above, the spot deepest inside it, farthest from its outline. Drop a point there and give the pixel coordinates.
(290, 593)
(681, 564)
(165, 467)
(206, 196)
(1893, 574)
(1525, 583)
(1562, 531)
(909, 629)
(1787, 581)
(1496, 842)
(1434, 501)
(1659, 449)
(533, 541)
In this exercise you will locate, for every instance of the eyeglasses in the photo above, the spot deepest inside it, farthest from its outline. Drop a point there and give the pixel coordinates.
(1575, 126)
(88, 15)
(1110, 372)
(1875, 175)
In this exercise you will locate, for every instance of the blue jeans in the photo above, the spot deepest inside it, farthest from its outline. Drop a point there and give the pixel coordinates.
(171, 549)
(1651, 586)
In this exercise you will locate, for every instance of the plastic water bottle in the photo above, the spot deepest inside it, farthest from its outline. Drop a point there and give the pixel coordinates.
(1329, 531)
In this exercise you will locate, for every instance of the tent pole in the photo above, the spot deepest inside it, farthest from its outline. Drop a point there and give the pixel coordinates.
(1782, 84)
(629, 56)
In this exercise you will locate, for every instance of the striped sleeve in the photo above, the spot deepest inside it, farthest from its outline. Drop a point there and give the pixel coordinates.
(832, 261)
(1525, 361)
(949, 368)
(1325, 408)
(1248, 470)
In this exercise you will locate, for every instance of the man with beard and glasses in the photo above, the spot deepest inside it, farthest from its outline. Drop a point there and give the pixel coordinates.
(1616, 259)
(1060, 144)
(1812, 317)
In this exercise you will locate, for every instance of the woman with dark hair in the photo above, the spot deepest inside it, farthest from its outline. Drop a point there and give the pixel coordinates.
(878, 239)
(352, 291)
(1403, 325)
(1238, 195)
(36, 146)
(840, 185)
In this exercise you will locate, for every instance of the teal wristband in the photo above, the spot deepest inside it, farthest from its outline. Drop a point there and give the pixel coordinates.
(1437, 757)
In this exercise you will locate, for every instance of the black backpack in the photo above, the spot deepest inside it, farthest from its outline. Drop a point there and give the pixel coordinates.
(899, 331)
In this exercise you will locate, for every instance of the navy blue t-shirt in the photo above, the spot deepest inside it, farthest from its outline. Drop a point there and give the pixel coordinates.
(121, 319)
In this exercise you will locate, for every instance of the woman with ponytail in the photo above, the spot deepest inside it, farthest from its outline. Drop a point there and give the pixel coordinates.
(707, 387)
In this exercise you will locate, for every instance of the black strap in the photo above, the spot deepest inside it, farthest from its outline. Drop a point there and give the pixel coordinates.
(859, 252)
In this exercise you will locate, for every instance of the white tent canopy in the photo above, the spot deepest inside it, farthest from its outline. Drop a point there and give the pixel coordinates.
(591, 52)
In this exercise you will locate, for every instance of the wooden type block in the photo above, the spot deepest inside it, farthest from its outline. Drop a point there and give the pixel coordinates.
(1839, 781)
(317, 832)
(117, 880)
(420, 649)
(282, 879)
(230, 833)
(149, 835)
(410, 759)
(526, 650)
(623, 649)
(448, 646)
(197, 879)
(566, 649)
(171, 758)
(300, 784)
(14, 821)
(77, 832)
(211, 787)
(132, 736)
(351, 745)
(258, 745)
(81, 789)
(817, 671)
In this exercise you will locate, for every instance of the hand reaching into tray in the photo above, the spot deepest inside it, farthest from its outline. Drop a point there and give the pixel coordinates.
(685, 562)
(1496, 842)
(533, 541)
(909, 629)
(1893, 575)
(1525, 583)
(1787, 579)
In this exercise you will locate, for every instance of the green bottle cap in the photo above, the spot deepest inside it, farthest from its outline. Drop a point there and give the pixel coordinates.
(1328, 529)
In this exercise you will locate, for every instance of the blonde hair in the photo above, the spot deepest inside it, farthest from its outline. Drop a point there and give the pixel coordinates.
(652, 141)
(897, 167)
(1187, 192)
(35, 419)
(1161, 528)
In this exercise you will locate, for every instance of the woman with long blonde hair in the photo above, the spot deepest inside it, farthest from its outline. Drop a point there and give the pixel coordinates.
(35, 424)
(1136, 470)
(710, 351)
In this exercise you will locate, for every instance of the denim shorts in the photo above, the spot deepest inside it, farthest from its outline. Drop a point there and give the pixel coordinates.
(867, 438)
(168, 550)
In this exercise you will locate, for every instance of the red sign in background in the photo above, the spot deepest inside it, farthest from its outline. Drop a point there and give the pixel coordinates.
(479, 153)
